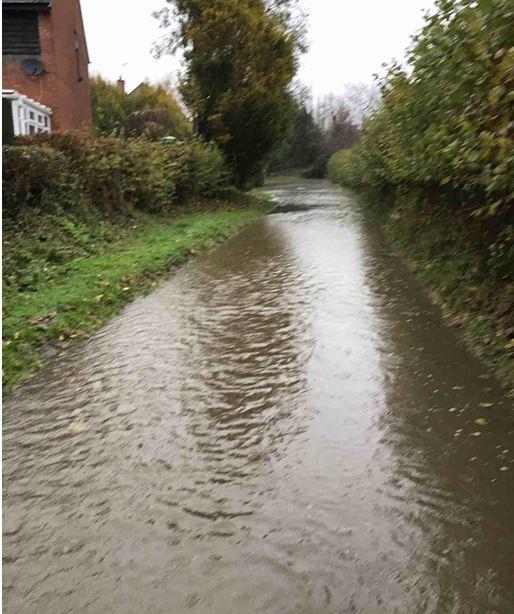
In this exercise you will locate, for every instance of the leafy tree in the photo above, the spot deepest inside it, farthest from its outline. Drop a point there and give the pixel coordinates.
(447, 121)
(443, 134)
(159, 100)
(109, 106)
(304, 144)
(319, 131)
(153, 124)
(241, 56)
(115, 112)
(340, 133)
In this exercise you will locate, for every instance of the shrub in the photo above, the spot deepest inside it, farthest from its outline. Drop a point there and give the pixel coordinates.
(205, 173)
(36, 177)
(447, 122)
(336, 164)
(150, 109)
(112, 174)
(151, 173)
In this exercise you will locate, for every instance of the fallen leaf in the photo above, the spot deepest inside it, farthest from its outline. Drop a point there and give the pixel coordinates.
(481, 421)
(77, 427)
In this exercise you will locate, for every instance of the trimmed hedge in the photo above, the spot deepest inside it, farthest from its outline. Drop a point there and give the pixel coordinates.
(436, 163)
(59, 170)
(443, 136)
(36, 176)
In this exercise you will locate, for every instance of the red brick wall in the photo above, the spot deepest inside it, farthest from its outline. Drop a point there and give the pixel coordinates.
(59, 87)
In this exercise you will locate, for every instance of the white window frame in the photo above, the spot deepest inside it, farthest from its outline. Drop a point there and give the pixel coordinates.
(29, 116)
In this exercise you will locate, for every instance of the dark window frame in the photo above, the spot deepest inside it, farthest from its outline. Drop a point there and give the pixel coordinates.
(20, 31)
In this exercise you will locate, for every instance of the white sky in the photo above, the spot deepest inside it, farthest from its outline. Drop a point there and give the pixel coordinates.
(348, 39)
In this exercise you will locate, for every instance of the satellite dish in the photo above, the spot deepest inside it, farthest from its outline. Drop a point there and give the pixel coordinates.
(32, 67)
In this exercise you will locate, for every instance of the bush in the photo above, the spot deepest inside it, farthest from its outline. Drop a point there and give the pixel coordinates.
(36, 177)
(150, 110)
(204, 172)
(109, 173)
(318, 170)
(336, 164)
(447, 122)
(443, 133)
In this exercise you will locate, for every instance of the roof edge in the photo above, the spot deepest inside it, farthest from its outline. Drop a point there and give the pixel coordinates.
(27, 5)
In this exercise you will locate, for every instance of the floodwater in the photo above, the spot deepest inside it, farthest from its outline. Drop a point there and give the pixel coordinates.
(285, 425)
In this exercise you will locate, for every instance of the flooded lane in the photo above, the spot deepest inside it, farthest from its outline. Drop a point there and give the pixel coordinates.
(286, 425)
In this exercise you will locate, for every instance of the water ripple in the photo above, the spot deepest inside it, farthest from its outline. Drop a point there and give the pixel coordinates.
(285, 425)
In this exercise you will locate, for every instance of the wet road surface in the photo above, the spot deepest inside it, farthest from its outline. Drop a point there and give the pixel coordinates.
(285, 425)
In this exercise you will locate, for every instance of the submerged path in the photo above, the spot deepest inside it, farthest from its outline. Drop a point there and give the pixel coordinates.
(286, 425)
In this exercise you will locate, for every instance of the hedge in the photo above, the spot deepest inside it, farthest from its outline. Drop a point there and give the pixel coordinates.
(63, 170)
(446, 122)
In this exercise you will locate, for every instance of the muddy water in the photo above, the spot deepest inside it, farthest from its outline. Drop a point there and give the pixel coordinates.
(286, 425)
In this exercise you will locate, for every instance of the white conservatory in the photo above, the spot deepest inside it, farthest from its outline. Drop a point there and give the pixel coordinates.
(28, 116)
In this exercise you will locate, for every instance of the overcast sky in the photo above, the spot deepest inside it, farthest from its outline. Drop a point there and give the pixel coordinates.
(348, 39)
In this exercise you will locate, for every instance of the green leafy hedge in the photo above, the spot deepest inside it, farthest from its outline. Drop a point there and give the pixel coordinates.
(447, 122)
(437, 164)
(63, 170)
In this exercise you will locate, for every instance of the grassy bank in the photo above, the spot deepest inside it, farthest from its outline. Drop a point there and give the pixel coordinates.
(65, 274)
(446, 255)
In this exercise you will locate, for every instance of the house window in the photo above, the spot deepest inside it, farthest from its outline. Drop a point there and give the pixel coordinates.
(34, 125)
(20, 33)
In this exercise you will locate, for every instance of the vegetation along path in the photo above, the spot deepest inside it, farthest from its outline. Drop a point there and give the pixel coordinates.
(285, 425)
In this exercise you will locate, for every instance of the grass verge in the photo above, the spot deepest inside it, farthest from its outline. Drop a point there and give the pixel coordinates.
(65, 276)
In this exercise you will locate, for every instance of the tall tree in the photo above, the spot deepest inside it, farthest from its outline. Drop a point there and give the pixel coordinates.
(108, 103)
(304, 144)
(241, 56)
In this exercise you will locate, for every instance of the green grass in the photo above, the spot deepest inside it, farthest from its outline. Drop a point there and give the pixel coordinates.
(90, 272)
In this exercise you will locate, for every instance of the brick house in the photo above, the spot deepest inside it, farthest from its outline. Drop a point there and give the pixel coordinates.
(45, 66)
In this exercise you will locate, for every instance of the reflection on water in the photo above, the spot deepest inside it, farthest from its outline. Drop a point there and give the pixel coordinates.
(284, 426)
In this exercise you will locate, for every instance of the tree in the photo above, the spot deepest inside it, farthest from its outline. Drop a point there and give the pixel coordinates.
(342, 132)
(240, 56)
(158, 103)
(151, 110)
(108, 103)
(304, 144)
(153, 124)
(362, 99)
(445, 120)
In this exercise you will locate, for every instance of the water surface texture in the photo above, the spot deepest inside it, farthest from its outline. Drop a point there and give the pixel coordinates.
(285, 425)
